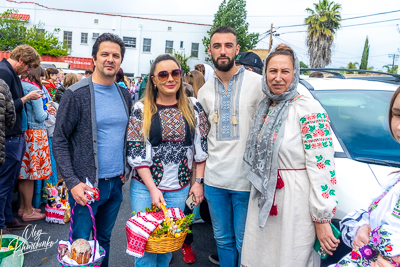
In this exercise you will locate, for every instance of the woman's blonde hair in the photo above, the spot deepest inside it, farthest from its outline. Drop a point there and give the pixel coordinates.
(196, 79)
(149, 100)
(69, 80)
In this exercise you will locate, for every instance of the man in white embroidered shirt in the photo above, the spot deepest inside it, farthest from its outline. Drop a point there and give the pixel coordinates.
(230, 100)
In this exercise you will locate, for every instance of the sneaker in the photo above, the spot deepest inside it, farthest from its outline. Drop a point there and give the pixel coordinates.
(16, 225)
(214, 259)
(35, 216)
(7, 231)
(189, 256)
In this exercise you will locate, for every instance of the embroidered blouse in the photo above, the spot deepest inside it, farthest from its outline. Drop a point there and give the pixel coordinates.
(171, 147)
(51, 88)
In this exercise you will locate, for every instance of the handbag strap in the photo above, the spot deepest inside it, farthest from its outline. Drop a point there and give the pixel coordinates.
(94, 227)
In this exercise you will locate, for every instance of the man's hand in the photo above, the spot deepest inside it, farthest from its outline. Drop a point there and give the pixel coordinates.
(122, 177)
(381, 262)
(198, 191)
(362, 236)
(325, 236)
(78, 193)
(31, 96)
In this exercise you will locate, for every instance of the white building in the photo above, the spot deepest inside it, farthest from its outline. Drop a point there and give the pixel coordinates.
(144, 38)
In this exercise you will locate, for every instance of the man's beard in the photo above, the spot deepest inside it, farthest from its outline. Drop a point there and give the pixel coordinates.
(225, 67)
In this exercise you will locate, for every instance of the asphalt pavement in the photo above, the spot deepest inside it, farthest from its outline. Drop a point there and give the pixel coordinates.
(49, 234)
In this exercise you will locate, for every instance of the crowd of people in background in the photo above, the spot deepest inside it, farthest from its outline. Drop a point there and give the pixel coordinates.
(237, 136)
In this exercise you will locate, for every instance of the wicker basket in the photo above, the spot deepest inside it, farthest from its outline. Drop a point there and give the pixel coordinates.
(102, 252)
(165, 244)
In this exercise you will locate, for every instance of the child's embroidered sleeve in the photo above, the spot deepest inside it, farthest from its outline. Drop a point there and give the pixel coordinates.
(139, 152)
(350, 223)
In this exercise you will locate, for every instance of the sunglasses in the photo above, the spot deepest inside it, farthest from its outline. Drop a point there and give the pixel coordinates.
(164, 75)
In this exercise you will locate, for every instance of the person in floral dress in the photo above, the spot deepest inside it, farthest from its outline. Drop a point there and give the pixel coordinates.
(382, 244)
(52, 81)
(289, 161)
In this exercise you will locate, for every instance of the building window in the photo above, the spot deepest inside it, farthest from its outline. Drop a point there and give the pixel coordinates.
(169, 47)
(130, 41)
(169, 28)
(68, 38)
(195, 50)
(146, 45)
(84, 37)
(40, 30)
(181, 46)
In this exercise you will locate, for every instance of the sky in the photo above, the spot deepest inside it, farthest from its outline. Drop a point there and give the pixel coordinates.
(384, 38)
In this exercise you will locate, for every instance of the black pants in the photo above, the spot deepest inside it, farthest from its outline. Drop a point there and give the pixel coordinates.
(9, 172)
(189, 237)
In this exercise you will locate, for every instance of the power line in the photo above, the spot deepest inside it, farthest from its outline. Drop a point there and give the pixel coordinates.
(370, 23)
(373, 14)
(370, 15)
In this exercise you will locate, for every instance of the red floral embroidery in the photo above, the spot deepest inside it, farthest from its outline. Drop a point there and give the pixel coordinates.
(334, 211)
(305, 130)
(355, 255)
(320, 165)
(325, 195)
(388, 248)
(320, 132)
(333, 180)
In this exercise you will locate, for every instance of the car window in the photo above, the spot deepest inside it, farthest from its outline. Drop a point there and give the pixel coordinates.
(360, 120)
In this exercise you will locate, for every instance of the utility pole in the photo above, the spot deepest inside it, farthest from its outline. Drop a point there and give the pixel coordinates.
(398, 68)
(394, 56)
(270, 37)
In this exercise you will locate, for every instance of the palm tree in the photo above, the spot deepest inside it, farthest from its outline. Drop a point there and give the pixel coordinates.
(322, 23)
(390, 69)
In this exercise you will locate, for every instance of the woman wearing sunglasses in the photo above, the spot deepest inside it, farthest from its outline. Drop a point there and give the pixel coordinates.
(166, 132)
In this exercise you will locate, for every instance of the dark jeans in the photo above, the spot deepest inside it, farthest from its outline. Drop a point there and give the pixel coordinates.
(9, 172)
(189, 237)
(105, 211)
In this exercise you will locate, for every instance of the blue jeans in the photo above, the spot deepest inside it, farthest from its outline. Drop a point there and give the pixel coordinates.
(140, 199)
(105, 211)
(9, 172)
(228, 211)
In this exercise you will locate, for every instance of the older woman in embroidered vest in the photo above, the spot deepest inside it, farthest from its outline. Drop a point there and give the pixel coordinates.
(289, 161)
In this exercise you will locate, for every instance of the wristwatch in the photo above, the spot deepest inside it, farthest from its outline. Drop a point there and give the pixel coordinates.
(200, 180)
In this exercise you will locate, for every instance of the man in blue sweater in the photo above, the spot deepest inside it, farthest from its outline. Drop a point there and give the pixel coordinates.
(89, 141)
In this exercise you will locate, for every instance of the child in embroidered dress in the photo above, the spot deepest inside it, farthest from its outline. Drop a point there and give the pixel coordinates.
(383, 216)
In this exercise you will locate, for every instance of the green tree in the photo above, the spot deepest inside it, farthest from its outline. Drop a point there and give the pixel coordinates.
(304, 66)
(234, 14)
(322, 23)
(12, 30)
(183, 60)
(351, 66)
(45, 43)
(390, 69)
(365, 54)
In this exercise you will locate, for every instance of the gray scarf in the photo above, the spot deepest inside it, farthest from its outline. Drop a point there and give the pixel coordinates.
(261, 155)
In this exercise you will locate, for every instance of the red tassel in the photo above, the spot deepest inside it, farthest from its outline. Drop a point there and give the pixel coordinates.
(273, 211)
(279, 183)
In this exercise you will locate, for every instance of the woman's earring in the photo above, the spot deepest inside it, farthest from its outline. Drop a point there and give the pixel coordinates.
(155, 87)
